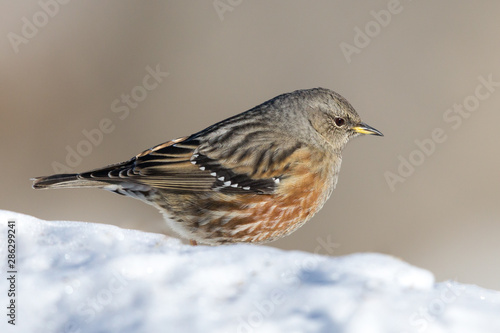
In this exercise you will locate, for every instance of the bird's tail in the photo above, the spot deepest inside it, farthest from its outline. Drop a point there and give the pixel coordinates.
(67, 180)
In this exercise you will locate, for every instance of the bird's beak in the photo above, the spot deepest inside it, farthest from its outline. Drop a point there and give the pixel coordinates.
(365, 129)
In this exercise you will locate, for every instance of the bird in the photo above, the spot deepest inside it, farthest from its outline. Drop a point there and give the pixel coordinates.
(253, 178)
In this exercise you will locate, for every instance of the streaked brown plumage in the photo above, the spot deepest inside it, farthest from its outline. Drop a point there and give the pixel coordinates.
(254, 177)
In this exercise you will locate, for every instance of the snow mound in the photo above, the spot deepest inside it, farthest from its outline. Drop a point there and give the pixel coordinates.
(84, 277)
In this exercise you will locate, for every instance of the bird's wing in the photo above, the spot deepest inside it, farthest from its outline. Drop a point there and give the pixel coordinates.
(186, 164)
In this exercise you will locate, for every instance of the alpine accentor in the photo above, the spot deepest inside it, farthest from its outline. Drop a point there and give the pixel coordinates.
(254, 177)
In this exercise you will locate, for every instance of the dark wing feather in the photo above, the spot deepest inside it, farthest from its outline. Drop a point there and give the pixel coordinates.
(243, 163)
(166, 166)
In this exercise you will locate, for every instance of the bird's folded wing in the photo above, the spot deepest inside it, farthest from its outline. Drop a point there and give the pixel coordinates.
(187, 165)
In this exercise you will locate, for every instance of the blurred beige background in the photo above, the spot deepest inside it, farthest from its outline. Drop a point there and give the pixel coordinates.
(65, 67)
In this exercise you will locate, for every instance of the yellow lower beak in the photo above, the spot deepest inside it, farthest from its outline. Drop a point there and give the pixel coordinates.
(365, 129)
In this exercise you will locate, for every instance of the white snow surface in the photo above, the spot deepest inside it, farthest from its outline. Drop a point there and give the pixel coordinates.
(85, 277)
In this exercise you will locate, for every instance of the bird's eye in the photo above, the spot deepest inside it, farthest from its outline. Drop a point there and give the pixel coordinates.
(339, 122)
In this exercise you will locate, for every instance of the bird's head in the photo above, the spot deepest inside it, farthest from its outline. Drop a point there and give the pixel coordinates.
(333, 117)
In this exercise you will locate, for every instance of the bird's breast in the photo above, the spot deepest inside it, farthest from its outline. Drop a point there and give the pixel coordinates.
(260, 218)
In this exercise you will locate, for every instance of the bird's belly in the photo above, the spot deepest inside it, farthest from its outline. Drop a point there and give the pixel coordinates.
(262, 218)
